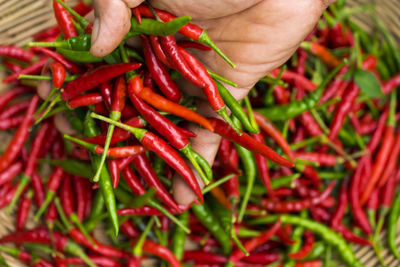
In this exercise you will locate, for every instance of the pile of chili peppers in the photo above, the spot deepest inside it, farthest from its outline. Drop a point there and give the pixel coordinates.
(306, 169)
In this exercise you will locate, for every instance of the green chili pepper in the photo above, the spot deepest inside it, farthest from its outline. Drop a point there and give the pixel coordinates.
(105, 179)
(71, 166)
(296, 236)
(235, 107)
(79, 43)
(79, 56)
(295, 108)
(179, 236)
(95, 212)
(74, 121)
(318, 249)
(154, 27)
(392, 226)
(329, 236)
(204, 215)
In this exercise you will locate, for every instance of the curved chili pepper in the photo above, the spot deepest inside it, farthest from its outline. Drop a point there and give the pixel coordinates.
(203, 256)
(341, 206)
(38, 189)
(34, 68)
(294, 78)
(9, 173)
(143, 166)
(290, 206)
(246, 141)
(350, 236)
(16, 53)
(191, 44)
(13, 67)
(106, 92)
(391, 84)
(159, 73)
(272, 131)
(14, 109)
(114, 152)
(99, 260)
(85, 100)
(166, 105)
(95, 77)
(320, 158)
(262, 167)
(154, 248)
(64, 20)
(12, 122)
(10, 95)
(383, 153)
(79, 186)
(306, 249)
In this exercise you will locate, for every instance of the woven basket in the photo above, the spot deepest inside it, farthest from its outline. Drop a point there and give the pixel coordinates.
(20, 19)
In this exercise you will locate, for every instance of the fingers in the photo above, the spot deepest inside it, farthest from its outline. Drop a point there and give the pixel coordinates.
(133, 3)
(206, 144)
(111, 24)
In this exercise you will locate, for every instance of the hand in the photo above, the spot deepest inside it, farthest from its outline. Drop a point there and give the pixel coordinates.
(257, 35)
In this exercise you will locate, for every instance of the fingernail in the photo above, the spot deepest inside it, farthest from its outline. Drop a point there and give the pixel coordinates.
(95, 31)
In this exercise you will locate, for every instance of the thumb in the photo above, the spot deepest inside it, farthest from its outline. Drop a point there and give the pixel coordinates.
(111, 24)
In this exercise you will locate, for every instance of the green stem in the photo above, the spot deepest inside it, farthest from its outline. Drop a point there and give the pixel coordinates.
(217, 183)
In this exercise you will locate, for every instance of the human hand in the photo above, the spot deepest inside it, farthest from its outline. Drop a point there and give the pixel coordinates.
(257, 35)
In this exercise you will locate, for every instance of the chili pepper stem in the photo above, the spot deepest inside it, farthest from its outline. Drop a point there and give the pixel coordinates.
(74, 218)
(23, 182)
(217, 183)
(224, 114)
(205, 39)
(55, 100)
(325, 140)
(49, 197)
(115, 116)
(81, 20)
(220, 78)
(138, 247)
(187, 151)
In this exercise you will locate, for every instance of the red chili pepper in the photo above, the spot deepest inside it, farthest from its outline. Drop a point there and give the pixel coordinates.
(381, 158)
(13, 67)
(334, 85)
(343, 109)
(320, 214)
(262, 258)
(106, 91)
(284, 235)
(69, 65)
(114, 171)
(38, 189)
(85, 100)
(209, 87)
(11, 123)
(119, 134)
(391, 84)
(203, 257)
(5, 200)
(67, 196)
(19, 138)
(50, 32)
(321, 158)
(129, 229)
(16, 53)
(8, 174)
(272, 131)
(64, 20)
(237, 255)
(341, 206)
(145, 210)
(311, 263)
(301, 61)
(178, 61)
(95, 77)
(158, 72)
(99, 260)
(51, 215)
(88, 197)
(246, 141)
(224, 152)
(293, 78)
(166, 105)
(155, 43)
(165, 127)
(23, 210)
(310, 125)
(132, 181)
(143, 167)
(136, 13)
(350, 236)
(14, 109)
(321, 52)
(391, 161)
(10, 95)
(34, 68)
(98, 247)
(232, 185)
(306, 249)
(281, 95)
(79, 186)
(58, 74)
(354, 194)
(191, 44)
(162, 252)
(297, 205)
(262, 167)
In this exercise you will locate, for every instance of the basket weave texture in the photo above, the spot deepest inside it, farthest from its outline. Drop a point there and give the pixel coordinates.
(20, 19)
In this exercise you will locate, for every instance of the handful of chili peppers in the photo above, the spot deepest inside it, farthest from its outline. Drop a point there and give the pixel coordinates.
(307, 167)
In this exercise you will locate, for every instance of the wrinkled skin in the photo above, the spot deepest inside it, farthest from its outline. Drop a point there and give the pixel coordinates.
(258, 35)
